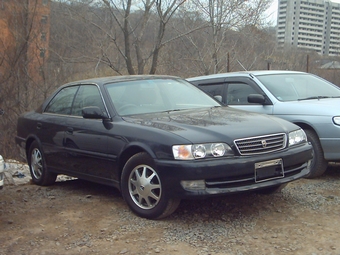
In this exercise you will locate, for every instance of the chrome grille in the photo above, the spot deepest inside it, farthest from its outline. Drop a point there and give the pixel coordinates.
(261, 144)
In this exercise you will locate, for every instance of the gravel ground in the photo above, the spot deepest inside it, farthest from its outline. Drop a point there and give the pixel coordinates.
(78, 217)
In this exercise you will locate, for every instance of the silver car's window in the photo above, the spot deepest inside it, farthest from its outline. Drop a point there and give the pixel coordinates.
(213, 89)
(148, 96)
(237, 93)
(291, 87)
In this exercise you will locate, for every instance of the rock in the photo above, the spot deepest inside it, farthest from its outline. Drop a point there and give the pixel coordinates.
(123, 251)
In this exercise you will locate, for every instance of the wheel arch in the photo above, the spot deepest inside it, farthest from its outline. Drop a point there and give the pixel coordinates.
(305, 126)
(29, 142)
(131, 150)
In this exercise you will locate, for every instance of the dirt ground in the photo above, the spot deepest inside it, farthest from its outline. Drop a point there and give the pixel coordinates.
(78, 217)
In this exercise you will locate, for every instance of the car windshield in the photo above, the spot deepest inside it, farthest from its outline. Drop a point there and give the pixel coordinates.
(157, 95)
(292, 87)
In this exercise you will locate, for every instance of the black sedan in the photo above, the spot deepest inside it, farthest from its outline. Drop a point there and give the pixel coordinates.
(158, 139)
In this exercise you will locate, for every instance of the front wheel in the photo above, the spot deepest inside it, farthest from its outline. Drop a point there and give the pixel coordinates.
(40, 175)
(142, 189)
(319, 164)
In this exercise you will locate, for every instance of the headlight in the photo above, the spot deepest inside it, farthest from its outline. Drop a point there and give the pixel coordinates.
(205, 150)
(297, 137)
(336, 120)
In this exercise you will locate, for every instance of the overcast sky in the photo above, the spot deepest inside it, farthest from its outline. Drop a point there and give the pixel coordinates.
(272, 12)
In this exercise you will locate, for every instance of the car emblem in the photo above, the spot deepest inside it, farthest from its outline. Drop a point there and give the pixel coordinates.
(264, 143)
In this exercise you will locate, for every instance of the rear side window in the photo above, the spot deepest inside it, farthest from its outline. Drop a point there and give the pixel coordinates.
(62, 102)
(212, 90)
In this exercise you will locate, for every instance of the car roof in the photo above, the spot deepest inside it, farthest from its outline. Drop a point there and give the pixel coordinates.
(112, 79)
(244, 74)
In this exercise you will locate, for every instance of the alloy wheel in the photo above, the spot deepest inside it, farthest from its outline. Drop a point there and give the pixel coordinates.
(145, 187)
(36, 164)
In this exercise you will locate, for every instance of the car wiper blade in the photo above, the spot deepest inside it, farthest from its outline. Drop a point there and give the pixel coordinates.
(174, 110)
(315, 97)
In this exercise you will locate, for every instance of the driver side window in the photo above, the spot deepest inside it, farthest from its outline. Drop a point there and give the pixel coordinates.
(237, 93)
(88, 95)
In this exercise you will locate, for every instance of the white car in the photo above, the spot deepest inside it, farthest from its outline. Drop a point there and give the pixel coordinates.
(2, 174)
(302, 98)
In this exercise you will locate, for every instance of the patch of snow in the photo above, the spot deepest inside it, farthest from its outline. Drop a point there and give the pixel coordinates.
(18, 173)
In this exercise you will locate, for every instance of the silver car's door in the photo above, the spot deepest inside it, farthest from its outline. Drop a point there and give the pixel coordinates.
(236, 94)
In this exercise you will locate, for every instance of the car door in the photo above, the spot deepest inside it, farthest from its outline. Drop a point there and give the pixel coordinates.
(52, 125)
(236, 92)
(86, 140)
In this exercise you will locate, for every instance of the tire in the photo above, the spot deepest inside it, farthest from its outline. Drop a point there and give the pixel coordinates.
(319, 164)
(141, 188)
(272, 189)
(36, 161)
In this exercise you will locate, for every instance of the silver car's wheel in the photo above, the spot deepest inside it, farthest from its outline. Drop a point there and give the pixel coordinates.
(141, 187)
(39, 173)
(319, 164)
(145, 187)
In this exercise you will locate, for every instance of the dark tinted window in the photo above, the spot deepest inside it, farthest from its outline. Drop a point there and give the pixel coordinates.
(88, 95)
(62, 102)
(212, 90)
(237, 93)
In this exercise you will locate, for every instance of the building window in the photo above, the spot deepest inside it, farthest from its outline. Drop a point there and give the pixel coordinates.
(42, 52)
(44, 19)
(43, 36)
(41, 71)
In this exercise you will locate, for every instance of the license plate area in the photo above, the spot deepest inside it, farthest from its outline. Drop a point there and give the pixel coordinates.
(269, 170)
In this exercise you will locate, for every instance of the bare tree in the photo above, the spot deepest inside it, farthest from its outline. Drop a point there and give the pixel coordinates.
(224, 17)
(135, 30)
(22, 60)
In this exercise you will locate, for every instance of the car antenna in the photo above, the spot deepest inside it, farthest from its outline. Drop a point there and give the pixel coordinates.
(241, 65)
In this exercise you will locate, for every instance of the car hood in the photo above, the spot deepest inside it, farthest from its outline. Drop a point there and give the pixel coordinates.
(325, 106)
(213, 124)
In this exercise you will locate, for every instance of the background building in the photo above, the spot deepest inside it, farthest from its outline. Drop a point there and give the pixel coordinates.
(24, 38)
(309, 24)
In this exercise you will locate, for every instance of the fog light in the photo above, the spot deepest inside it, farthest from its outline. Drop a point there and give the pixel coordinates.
(193, 185)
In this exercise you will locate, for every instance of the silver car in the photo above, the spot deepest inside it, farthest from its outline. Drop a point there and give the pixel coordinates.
(302, 98)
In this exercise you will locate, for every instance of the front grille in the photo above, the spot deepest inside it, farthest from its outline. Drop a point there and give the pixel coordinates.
(261, 144)
(248, 179)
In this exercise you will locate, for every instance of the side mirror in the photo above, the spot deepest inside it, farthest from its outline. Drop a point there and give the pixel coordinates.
(257, 99)
(93, 112)
(218, 97)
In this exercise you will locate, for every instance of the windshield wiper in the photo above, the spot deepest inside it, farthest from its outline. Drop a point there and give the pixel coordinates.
(314, 97)
(174, 110)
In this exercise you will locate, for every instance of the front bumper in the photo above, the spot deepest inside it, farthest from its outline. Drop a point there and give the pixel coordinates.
(231, 175)
(331, 148)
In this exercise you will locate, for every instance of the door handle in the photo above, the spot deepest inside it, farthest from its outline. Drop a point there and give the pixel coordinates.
(69, 131)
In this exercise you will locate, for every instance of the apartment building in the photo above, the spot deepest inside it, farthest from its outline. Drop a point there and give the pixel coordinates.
(309, 24)
(24, 38)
